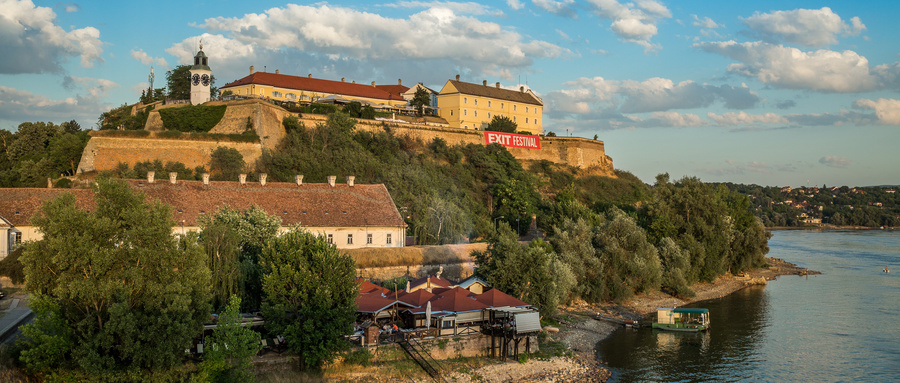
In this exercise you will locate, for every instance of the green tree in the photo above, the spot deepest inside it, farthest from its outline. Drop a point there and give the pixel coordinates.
(532, 273)
(630, 263)
(11, 267)
(502, 124)
(226, 164)
(65, 151)
(230, 348)
(179, 82)
(253, 228)
(127, 294)
(31, 140)
(311, 293)
(420, 100)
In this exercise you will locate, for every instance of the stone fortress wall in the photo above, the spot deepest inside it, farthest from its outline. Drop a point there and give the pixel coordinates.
(105, 153)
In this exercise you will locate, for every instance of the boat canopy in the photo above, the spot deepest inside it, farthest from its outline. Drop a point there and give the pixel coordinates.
(691, 311)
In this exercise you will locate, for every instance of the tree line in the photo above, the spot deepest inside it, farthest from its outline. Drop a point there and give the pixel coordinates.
(118, 297)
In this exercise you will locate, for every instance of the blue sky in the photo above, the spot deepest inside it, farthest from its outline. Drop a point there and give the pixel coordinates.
(772, 93)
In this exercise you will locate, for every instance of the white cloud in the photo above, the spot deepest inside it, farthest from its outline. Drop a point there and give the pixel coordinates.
(565, 8)
(633, 22)
(887, 110)
(470, 8)
(739, 168)
(563, 35)
(97, 87)
(705, 22)
(834, 161)
(145, 59)
(72, 7)
(20, 105)
(808, 27)
(785, 67)
(677, 119)
(744, 118)
(31, 41)
(515, 4)
(324, 39)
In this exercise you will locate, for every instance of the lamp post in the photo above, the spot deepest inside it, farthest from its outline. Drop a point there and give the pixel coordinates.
(495, 221)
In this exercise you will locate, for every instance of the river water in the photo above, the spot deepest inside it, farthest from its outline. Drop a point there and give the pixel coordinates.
(841, 326)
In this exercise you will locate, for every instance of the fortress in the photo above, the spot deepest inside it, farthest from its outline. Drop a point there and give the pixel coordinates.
(457, 105)
(106, 152)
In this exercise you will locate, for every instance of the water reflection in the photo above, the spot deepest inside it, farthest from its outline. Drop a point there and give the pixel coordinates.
(727, 352)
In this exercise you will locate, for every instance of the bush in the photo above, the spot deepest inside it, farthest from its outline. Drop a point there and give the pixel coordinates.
(192, 118)
(361, 357)
(63, 183)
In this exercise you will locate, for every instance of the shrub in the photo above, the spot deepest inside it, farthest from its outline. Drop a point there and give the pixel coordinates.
(192, 118)
(361, 357)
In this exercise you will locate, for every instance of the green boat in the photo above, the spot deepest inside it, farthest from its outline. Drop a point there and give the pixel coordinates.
(682, 319)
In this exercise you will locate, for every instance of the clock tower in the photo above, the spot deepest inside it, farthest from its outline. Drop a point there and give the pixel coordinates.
(201, 77)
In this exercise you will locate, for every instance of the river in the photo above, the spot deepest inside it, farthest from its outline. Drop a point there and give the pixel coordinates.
(841, 326)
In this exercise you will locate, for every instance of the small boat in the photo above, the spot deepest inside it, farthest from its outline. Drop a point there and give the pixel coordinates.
(682, 319)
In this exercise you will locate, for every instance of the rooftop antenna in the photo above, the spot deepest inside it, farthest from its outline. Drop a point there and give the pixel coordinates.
(151, 77)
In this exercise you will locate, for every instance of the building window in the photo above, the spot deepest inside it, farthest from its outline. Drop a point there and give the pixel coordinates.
(535, 111)
(489, 115)
(514, 118)
(291, 96)
(451, 112)
(465, 112)
(514, 107)
(388, 239)
(276, 94)
(476, 113)
(476, 102)
(526, 120)
(489, 103)
(465, 100)
(330, 239)
(368, 239)
(501, 105)
(526, 109)
(349, 239)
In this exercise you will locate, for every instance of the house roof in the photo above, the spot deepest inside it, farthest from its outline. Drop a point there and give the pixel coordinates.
(494, 92)
(313, 85)
(395, 90)
(435, 282)
(366, 287)
(471, 281)
(309, 205)
(417, 298)
(456, 300)
(497, 298)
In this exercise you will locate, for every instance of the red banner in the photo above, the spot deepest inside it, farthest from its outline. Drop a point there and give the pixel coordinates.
(512, 140)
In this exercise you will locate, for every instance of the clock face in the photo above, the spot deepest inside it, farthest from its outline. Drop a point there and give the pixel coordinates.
(195, 79)
(205, 80)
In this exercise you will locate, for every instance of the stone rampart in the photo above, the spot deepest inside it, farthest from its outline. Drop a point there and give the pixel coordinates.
(105, 153)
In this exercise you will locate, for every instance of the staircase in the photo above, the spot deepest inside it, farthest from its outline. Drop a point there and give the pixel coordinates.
(423, 358)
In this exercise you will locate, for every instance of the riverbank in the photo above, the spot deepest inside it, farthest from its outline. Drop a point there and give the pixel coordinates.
(581, 333)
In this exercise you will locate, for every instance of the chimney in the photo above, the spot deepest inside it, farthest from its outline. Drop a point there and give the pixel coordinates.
(373, 83)
(150, 176)
(309, 75)
(498, 84)
(350, 180)
(252, 69)
(343, 79)
(173, 177)
(242, 178)
(457, 77)
(276, 71)
(522, 89)
(298, 179)
(484, 82)
(399, 81)
(262, 178)
(331, 180)
(49, 183)
(205, 178)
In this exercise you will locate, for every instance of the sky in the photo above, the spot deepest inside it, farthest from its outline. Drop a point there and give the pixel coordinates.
(771, 93)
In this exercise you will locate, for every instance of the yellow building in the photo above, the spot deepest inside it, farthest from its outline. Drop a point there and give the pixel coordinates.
(282, 87)
(472, 106)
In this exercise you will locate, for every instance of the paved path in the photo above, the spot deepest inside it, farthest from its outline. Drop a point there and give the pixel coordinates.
(18, 314)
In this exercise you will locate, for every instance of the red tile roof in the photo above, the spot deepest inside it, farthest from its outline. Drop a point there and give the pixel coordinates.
(456, 300)
(497, 298)
(417, 298)
(309, 205)
(313, 85)
(395, 90)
